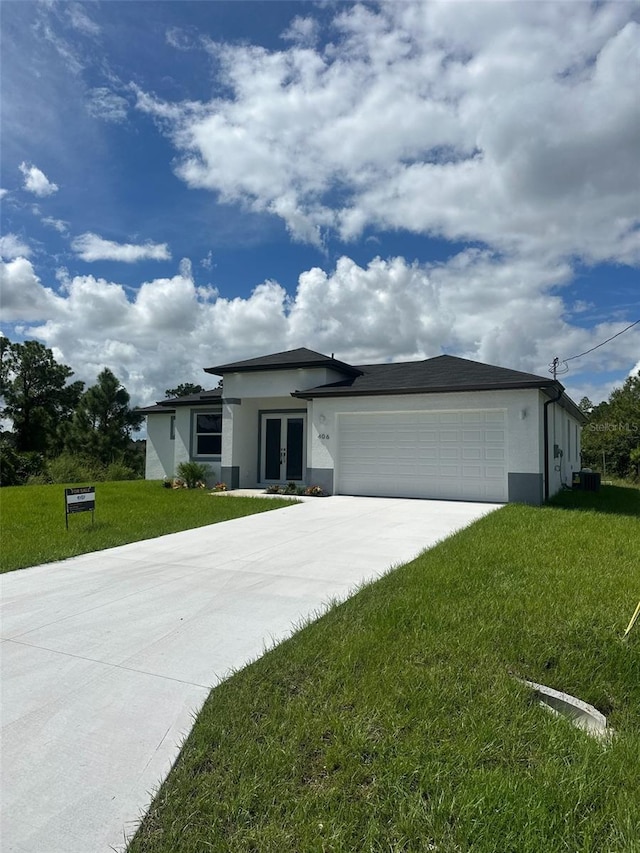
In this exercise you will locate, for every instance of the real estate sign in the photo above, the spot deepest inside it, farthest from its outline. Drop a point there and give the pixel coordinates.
(82, 499)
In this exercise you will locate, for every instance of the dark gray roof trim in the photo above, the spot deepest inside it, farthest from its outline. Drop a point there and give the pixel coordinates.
(148, 410)
(169, 406)
(570, 407)
(289, 360)
(433, 375)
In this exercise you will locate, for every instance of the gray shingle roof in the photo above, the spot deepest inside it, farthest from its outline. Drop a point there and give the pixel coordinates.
(288, 360)
(168, 406)
(442, 373)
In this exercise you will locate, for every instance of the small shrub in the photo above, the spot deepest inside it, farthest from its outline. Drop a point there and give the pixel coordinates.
(119, 471)
(315, 491)
(68, 468)
(274, 490)
(39, 480)
(220, 487)
(193, 473)
(16, 468)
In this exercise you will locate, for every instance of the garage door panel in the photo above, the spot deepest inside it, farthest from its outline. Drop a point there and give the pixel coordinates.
(450, 453)
(442, 455)
(475, 471)
(494, 454)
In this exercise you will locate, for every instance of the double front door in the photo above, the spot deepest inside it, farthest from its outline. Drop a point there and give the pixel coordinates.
(282, 448)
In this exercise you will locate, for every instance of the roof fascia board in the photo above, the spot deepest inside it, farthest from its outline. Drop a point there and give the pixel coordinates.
(392, 392)
(331, 364)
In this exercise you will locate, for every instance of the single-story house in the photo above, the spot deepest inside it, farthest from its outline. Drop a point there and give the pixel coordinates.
(445, 428)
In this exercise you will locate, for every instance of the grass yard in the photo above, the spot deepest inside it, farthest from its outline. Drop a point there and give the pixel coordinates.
(33, 526)
(394, 722)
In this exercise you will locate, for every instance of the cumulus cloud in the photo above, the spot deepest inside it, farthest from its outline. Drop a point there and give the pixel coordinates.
(12, 246)
(513, 124)
(106, 105)
(90, 247)
(3, 192)
(22, 296)
(36, 182)
(476, 305)
(303, 31)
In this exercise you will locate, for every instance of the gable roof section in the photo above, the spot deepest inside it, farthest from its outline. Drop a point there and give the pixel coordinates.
(169, 406)
(433, 375)
(288, 360)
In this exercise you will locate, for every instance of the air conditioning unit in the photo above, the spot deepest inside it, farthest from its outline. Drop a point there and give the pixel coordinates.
(587, 481)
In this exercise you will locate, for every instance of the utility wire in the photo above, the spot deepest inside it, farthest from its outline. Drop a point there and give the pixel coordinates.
(555, 366)
(617, 334)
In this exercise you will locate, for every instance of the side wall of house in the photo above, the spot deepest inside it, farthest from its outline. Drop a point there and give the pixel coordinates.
(160, 447)
(564, 446)
(164, 453)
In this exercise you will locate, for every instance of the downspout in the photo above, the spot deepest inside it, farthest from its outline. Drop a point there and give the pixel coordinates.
(546, 441)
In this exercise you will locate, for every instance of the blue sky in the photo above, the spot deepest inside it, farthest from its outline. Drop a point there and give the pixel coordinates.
(188, 183)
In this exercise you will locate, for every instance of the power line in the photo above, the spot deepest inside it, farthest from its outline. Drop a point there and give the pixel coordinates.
(617, 334)
(555, 367)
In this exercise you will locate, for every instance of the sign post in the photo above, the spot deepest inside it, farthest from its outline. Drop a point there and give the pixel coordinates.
(82, 499)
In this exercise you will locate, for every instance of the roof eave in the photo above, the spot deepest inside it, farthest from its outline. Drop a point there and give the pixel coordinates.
(339, 366)
(440, 389)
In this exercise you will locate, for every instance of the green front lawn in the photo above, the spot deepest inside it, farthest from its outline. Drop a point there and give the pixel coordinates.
(33, 525)
(395, 723)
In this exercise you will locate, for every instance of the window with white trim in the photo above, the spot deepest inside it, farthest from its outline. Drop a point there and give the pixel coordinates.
(207, 435)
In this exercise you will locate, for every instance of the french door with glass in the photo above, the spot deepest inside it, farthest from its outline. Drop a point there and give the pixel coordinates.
(282, 448)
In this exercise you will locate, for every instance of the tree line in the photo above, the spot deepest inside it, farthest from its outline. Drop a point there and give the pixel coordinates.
(60, 431)
(611, 437)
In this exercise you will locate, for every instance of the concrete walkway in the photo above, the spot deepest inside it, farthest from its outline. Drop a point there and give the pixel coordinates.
(107, 657)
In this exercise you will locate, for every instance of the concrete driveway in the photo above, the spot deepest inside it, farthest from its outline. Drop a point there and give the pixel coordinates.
(107, 657)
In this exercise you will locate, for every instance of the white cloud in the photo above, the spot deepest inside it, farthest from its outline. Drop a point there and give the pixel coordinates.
(36, 182)
(3, 192)
(302, 31)
(12, 246)
(22, 296)
(513, 124)
(90, 247)
(476, 305)
(81, 21)
(60, 225)
(106, 105)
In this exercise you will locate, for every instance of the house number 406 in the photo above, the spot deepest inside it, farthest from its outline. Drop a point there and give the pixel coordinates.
(323, 435)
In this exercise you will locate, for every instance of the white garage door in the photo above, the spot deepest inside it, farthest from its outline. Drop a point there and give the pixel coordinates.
(445, 455)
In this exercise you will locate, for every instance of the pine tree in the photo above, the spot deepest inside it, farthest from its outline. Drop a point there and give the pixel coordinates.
(37, 398)
(102, 424)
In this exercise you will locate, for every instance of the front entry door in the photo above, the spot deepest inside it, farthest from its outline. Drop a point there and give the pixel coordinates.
(282, 448)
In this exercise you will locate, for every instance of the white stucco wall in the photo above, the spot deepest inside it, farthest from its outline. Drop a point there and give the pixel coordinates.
(241, 428)
(521, 407)
(562, 432)
(183, 436)
(277, 383)
(163, 454)
(159, 454)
